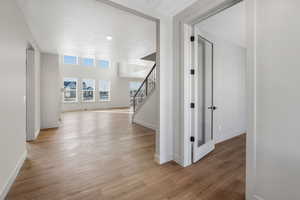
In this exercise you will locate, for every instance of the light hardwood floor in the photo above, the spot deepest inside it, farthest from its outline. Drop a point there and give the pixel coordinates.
(99, 155)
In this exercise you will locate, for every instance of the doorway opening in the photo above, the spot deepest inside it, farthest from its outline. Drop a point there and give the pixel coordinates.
(218, 86)
(210, 59)
(214, 77)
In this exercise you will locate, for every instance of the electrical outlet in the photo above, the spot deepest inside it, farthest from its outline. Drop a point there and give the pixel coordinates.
(220, 128)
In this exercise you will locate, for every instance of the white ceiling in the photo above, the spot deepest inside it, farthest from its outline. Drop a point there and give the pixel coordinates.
(80, 27)
(163, 7)
(230, 25)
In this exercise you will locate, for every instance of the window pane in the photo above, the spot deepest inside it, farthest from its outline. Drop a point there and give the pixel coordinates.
(70, 95)
(70, 90)
(88, 84)
(103, 64)
(70, 60)
(104, 96)
(104, 90)
(88, 61)
(104, 85)
(88, 89)
(134, 86)
(88, 95)
(70, 83)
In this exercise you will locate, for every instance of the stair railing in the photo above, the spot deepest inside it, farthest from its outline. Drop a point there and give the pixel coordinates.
(145, 89)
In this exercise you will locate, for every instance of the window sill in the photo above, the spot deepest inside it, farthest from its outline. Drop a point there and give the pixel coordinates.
(88, 102)
(104, 101)
(68, 102)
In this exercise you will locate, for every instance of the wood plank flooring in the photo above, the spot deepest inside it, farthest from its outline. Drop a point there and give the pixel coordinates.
(99, 155)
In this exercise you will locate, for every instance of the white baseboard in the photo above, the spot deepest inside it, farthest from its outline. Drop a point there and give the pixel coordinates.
(257, 197)
(145, 124)
(162, 161)
(36, 134)
(229, 136)
(13, 176)
(95, 108)
(51, 125)
(165, 159)
(178, 160)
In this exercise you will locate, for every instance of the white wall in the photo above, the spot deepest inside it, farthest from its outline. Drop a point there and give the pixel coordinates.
(14, 38)
(275, 151)
(229, 88)
(119, 86)
(135, 70)
(146, 115)
(50, 91)
(230, 24)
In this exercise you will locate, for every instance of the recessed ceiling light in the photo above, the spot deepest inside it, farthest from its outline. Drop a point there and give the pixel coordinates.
(109, 38)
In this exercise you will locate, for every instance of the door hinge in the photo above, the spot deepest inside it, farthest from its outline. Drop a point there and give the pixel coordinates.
(192, 139)
(192, 38)
(192, 105)
(192, 72)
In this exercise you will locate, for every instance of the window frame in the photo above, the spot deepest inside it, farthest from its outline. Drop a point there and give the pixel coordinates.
(82, 91)
(98, 64)
(109, 91)
(76, 90)
(77, 60)
(82, 62)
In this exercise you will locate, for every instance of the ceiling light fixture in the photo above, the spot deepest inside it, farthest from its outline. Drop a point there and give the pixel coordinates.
(109, 38)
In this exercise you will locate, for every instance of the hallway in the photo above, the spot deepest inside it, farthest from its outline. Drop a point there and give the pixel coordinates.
(101, 155)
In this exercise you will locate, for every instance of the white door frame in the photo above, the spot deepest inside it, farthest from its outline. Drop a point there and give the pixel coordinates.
(30, 93)
(183, 23)
(183, 52)
(163, 142)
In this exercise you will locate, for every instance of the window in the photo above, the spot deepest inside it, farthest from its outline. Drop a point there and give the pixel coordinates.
(104, 90)
(103, 64)
(70, 90)
(89, 62)
(88, 90)
(133, 88)
(70, 60)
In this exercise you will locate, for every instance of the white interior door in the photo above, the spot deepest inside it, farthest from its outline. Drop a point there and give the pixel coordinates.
(203, 96)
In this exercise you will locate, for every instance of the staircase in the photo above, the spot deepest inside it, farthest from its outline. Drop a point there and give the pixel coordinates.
(145, 90)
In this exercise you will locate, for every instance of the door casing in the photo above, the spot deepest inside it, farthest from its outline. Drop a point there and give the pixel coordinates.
(182, 25)
(30, 93)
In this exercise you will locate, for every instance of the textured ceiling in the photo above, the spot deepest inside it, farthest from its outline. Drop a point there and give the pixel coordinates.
(80, 27)
(229, 25)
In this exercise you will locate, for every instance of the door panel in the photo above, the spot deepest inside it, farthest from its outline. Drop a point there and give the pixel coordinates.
(203, 86)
